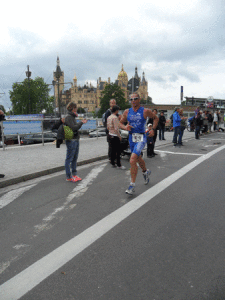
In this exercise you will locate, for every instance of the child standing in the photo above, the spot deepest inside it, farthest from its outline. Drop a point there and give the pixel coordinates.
(150, 142)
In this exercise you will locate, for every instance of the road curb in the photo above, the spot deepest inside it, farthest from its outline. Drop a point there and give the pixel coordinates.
(26, 177)
(7, 182)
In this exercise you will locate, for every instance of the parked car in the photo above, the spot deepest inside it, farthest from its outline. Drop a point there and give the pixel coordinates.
(100, 132)
(37, 138)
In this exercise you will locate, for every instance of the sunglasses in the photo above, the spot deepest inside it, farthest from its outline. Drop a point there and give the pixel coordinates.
(131, 99)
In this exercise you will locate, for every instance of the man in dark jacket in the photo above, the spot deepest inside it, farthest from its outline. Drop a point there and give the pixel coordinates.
(72, 145)
(162, 122)
(2, 118)
(150, 147)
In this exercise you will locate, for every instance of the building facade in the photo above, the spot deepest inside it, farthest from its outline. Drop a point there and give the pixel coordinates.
(88, 96)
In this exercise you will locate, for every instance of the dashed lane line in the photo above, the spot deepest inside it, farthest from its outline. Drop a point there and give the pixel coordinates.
(180, 153)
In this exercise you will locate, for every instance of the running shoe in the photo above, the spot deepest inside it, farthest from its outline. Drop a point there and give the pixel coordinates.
(146, 175)
(121, 167)
(76, 178)
(70, 179)
(130, 190)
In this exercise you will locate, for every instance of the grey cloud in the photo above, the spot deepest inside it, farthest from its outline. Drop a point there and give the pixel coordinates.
(157, 78)
(190, 76)
(173, 78)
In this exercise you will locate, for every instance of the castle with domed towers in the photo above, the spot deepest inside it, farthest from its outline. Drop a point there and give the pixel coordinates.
(88, 96)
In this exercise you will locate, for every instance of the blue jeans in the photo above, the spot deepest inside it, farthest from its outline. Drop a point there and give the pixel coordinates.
(71, 157)
(182, 128)
(161, 133)
(176, 133)
(197, 131)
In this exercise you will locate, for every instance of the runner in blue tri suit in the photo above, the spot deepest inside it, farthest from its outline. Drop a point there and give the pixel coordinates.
(136, 117)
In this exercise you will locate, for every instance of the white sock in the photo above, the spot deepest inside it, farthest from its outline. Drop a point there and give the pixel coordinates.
(132, 183)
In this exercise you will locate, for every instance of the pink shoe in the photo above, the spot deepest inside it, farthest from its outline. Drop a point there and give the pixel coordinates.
(76, 178)
(70, 179)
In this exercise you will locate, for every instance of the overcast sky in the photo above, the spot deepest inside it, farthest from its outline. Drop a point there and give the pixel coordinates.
(174, 42)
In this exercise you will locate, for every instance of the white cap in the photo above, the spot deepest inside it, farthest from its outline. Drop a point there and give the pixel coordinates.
(149, 124)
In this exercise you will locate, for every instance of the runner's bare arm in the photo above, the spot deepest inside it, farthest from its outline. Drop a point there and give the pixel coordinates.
(123, 120)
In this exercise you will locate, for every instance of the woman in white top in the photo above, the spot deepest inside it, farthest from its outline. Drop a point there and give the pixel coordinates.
(215, 121)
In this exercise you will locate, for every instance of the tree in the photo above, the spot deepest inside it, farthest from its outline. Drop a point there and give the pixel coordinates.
(81, 110)
(112, 91)
(31, 97)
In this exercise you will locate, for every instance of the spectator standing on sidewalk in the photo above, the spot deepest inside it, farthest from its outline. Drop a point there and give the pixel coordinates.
(112, 103)
(150, 121)
(198, 124)
(72, 145)
(2, 118)
(162, 122)
(218, 125)
(210, 121)
(197, 110)
(176, 127)
(182, 125)
(150, 141)
(215, 121)
(205, 122)
(114, 137)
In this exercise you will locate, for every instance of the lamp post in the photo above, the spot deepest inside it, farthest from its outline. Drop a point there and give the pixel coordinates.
(28, 74)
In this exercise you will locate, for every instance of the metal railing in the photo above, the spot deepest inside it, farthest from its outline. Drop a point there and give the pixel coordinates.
(18, 128)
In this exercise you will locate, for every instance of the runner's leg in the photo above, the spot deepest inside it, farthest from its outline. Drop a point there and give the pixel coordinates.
(141, 163)
(133, 167)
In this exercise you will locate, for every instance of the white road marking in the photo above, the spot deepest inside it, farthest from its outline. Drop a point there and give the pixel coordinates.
(77, 192)
(12, 195)
(45, 177)
(17, 247)
(180, 153)
(22, 283)
(208, 139)
(20, 251)
(6, 264)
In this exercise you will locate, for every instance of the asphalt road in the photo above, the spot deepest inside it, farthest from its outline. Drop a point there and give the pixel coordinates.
(90, 240)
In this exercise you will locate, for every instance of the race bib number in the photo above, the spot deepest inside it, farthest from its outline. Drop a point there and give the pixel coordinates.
(137, 137)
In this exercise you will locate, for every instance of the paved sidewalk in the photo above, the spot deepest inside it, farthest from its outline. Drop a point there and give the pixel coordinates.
(21, 163)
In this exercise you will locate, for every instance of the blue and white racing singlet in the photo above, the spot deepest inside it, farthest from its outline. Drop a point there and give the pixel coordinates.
(137, 120)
